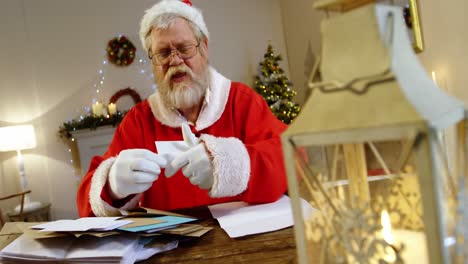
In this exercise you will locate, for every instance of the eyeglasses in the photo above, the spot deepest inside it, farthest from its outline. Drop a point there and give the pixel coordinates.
(163, 57)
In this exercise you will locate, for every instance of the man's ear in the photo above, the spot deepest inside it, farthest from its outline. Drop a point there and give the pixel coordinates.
(204, 48)
(205, 44)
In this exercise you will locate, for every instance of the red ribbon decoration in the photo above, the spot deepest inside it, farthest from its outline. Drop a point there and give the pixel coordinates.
(187, 2)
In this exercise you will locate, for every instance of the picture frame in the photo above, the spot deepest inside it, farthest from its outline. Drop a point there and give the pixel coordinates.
(412, 18)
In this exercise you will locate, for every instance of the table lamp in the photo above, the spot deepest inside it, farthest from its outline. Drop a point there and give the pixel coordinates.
(18, 138)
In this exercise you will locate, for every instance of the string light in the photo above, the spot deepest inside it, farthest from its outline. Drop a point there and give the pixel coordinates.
(143, 68)
(148, 74)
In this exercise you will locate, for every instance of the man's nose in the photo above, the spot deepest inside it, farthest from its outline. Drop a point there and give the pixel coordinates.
(175, 59)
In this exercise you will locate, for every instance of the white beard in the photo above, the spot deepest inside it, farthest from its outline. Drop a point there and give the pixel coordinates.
(183, 95)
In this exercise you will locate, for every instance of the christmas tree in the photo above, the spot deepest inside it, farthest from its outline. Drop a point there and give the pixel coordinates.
(275, 87)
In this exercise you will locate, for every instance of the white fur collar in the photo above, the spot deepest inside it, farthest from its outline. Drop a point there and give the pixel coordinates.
(217, 96)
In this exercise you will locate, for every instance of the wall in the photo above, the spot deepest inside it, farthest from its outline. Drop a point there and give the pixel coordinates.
(302, 31)
(446, 47)
(52, 51)
(446, 39)
(444, 31)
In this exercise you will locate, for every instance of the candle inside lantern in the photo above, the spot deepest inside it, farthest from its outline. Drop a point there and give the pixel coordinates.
(387, 235)
(112, 108)
(415, 248)
(97, 109)
(386, 227)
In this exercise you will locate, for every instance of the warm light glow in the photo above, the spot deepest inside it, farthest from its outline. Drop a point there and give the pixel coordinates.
(434, 77)
(386, 227)
(97, 109)
(17, 137)
(341, 194)
(112, 108)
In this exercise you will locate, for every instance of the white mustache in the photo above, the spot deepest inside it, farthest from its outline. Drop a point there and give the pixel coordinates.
(178, 69)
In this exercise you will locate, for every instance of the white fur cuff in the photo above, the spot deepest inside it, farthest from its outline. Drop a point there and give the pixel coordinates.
(99, 206)
(231, 165)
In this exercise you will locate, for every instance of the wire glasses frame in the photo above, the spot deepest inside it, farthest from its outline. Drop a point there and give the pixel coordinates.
(186, 52)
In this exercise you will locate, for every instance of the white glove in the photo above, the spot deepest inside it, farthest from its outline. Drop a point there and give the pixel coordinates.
(134, 171)
(195, 161)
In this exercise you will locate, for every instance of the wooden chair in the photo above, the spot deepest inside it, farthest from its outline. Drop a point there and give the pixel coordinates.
(22, 195)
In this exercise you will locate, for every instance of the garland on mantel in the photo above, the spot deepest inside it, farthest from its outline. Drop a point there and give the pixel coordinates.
(89, 122)
(93, 122)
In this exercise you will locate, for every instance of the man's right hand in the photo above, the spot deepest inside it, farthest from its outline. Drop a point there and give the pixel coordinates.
(134, 171)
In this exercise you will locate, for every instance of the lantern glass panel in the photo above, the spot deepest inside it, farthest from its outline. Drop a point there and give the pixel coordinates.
(350, 205)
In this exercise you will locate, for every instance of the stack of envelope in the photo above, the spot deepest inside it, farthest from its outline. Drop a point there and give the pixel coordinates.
(126, 239)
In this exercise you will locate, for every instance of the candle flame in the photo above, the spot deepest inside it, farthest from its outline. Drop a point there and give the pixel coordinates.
(341, 194)
(386, 227)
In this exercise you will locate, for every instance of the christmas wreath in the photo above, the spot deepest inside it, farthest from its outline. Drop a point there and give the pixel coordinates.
(120, 51)
(127, 91)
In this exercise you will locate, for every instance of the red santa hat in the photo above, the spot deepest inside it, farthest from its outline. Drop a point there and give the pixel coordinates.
(182, 8)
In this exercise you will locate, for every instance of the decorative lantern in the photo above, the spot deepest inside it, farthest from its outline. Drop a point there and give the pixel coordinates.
(367, 151)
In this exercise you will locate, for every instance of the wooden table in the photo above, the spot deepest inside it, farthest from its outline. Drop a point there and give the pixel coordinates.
(217, 247)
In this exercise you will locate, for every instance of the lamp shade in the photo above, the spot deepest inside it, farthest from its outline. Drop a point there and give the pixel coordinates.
(17, 137)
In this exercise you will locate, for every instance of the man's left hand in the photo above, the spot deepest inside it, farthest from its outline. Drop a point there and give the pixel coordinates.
(195, 162)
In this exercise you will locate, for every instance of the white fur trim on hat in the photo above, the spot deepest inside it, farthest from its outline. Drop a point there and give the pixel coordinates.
(177, 7)
(231, 165)
(99, 206)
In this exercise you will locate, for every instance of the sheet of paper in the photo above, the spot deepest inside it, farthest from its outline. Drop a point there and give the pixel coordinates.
(163, 213)
(158, 229)
(84, 250)
(142, 221)
(107, 247)
(25, 247)
(200, 232)
(240, 219)
(147, 212)
(94, 233)
(83, 224)
(39, 234)
(156, 247)
(169, 221)
(182, 229)
(170, 147)
(124, 248)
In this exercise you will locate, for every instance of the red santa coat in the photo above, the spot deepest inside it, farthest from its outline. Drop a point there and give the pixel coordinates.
(237, 128)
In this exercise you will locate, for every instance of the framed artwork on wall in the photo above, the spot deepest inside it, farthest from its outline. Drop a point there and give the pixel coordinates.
(413, 21)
